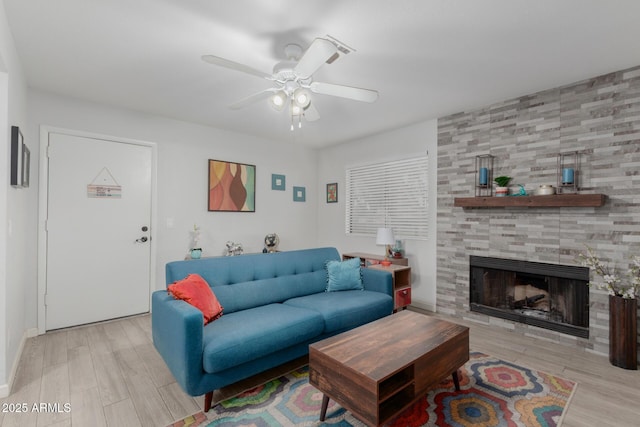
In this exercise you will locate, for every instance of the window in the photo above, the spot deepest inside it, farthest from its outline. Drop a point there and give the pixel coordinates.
(391, 194)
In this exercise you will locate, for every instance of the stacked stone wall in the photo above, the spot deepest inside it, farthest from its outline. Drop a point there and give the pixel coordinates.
(600, 118)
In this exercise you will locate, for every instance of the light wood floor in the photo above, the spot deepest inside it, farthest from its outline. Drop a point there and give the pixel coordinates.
(111, 375)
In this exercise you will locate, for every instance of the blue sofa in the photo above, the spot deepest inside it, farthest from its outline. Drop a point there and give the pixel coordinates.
(275, 305)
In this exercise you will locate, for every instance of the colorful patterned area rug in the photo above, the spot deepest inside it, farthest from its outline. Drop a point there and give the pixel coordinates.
(492, 393)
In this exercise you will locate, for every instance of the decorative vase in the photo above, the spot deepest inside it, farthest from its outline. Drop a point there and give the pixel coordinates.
(623, 332)
(196, 253)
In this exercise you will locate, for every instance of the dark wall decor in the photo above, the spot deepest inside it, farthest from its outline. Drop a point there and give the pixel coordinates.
(18, 158)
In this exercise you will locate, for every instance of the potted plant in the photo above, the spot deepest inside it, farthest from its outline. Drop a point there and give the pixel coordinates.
(623, 307)
(196, 251)
(502, 188)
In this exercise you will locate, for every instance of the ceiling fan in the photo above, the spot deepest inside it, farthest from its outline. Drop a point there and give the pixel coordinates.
(293, 79)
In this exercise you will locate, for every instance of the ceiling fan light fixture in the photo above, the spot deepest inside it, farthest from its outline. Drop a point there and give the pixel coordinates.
(278, 100)
(293, 79)
(301, 97)
(296, 110)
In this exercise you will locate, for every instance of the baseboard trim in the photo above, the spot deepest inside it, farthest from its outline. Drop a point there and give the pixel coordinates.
(423, 305)
(5, 389)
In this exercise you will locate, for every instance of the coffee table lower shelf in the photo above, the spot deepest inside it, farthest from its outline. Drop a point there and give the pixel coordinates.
(393, 405)
(378, 370)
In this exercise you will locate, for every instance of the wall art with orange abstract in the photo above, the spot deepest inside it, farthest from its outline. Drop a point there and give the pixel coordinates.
(232, 187)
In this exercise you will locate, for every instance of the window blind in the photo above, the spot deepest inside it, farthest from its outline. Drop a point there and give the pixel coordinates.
(390, 194)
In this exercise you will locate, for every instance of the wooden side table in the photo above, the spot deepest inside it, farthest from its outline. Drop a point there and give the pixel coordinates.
(401, 276)
(367, 259)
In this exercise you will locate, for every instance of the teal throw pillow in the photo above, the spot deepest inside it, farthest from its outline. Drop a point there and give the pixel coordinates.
(344, 276)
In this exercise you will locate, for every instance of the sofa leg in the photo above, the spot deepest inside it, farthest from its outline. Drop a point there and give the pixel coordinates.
(207, 401)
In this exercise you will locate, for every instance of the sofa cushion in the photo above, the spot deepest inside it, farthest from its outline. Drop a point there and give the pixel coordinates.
(347, 309)
(252, 280)
(344, 275)
(246, 335)
(244, 295)
(196, 291)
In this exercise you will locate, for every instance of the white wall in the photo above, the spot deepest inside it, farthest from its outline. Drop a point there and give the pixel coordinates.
(397, 144)
(183, 151)
(16, 249)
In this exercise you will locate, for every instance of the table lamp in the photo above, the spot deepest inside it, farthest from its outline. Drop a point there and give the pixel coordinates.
(385, 237)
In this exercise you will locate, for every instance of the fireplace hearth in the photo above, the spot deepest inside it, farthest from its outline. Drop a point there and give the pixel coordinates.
(549, 296)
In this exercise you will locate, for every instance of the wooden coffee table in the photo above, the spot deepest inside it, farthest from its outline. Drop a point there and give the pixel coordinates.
(379, 369)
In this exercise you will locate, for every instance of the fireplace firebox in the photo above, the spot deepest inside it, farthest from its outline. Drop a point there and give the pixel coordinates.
(548, 296)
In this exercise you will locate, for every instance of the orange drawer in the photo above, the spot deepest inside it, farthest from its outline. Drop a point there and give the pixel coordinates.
(403, 297)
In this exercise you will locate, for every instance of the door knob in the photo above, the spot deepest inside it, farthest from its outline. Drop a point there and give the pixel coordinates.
(142, 239)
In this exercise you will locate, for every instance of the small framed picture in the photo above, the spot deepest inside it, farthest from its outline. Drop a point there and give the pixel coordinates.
(332, 192)
(278, 182)
(299, 194)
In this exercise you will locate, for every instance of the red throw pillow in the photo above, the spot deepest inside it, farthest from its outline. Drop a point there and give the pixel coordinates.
(196, 291)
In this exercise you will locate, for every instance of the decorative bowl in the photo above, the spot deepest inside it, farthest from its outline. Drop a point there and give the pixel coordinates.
(545, 190)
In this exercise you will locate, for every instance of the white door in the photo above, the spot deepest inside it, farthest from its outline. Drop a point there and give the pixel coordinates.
(98, 230)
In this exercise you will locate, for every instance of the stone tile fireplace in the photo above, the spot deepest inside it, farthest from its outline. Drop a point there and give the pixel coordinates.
(600, 117)
(549, 296)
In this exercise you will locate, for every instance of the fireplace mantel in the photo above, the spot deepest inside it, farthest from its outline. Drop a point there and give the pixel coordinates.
(554, 201)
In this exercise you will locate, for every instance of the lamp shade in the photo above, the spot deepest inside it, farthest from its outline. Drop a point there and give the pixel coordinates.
(301, 97)
(278, 100)
(296, 110)
(385, 237)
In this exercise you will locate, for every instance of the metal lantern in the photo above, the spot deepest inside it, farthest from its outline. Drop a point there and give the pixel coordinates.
(568, 172)
(484, 175)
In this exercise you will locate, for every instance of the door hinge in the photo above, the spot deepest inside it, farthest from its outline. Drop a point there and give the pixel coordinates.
(46, 299)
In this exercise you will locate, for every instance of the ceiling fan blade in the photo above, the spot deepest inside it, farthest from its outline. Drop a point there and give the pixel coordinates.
(355, 93)
(252, 99)
(216, 60)
(311, 113)
(316, 55)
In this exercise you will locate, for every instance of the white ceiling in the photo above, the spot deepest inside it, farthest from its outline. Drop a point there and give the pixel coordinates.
(427, 58)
